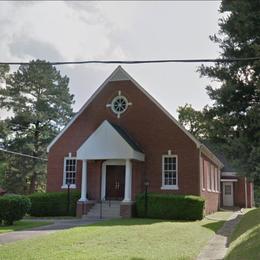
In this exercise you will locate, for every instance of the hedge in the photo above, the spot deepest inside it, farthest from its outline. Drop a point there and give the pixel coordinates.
(13, 207)
(164, 206)
(53, 204)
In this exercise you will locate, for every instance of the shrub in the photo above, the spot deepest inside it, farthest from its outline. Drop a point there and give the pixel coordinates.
(13, 207)
(53, 204)
(164, 206)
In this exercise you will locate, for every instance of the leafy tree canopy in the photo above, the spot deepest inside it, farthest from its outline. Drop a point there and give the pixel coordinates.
(233, 121)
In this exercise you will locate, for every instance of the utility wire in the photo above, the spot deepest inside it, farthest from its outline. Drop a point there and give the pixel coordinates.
(22, 154)
(228, 60)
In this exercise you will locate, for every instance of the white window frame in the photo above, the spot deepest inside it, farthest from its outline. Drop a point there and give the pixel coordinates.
(64, 185)
(212, 172)
(208, 176)
(169, 187)
(202, 169)
(216, 179)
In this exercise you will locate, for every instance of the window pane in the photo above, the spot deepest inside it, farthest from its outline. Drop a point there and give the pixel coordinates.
(169, 170)
(227, 189)
(70, 171)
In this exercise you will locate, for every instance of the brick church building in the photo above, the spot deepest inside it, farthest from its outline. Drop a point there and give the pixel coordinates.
(123, 137)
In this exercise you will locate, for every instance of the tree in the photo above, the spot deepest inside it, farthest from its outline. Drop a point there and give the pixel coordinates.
(4, 69)
(39, 99)
(235, 113)
(193, 120)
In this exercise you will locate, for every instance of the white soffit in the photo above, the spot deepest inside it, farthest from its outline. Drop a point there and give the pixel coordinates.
(106, 143)
(120, 74)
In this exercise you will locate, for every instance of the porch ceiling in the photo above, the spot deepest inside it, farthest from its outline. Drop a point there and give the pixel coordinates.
(108, 142)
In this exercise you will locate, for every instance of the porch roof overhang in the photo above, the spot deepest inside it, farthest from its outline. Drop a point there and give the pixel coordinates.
(229, 180)
(109, 142)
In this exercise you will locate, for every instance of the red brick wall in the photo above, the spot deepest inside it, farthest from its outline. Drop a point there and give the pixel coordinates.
(147, 124)
(94, 180)
(212, 198)
(239, 192)
(250, 194)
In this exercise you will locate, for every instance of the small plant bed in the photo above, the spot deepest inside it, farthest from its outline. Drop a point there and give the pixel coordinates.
(22, 225)
(245, 240)
(119, 239)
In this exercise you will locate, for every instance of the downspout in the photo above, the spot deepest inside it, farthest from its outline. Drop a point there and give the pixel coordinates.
(246, 192)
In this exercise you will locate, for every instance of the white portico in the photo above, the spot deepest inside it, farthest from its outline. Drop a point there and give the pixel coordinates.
(111, 144)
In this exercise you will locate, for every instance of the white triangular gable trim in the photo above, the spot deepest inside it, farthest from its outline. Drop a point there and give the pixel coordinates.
(105, 143)
(120, 74)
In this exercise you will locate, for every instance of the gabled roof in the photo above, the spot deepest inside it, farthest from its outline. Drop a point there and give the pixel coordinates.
(120, 74)
(109, 142)
(127, 137)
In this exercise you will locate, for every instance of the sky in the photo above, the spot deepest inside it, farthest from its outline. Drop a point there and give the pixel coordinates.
(61, 31)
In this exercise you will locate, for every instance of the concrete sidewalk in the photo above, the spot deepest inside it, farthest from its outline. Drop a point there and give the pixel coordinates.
(217, 247)
(59, 224)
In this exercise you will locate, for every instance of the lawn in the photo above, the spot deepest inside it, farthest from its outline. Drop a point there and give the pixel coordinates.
(245, 240)
(119, 239)
(23, 224)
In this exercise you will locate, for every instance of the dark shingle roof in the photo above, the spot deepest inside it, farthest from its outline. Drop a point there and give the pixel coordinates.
(221, 156)
(127, 137)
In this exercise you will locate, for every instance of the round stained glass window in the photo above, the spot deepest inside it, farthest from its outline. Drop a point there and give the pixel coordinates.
(119, 105)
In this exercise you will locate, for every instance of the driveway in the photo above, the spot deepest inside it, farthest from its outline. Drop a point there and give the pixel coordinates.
(59, 224)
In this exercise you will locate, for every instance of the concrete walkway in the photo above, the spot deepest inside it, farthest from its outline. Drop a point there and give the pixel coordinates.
(217, 247)
(59, 224)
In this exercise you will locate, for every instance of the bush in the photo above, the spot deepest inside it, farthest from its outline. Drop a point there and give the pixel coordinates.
(53, 204)
(164, 206)
(13, 207)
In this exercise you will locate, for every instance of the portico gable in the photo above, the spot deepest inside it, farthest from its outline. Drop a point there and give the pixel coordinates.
(109, 142)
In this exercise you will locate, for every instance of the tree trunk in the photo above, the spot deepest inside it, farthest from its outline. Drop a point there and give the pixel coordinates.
(35, 153)
(32, 183)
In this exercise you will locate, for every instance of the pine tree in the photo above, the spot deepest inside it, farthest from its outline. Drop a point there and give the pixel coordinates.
(235, 114)
(39, 99)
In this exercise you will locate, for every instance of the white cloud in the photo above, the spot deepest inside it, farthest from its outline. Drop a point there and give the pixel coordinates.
(116, 30)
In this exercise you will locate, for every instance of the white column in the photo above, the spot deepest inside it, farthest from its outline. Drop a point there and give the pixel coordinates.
(84, 181)
(128, 181)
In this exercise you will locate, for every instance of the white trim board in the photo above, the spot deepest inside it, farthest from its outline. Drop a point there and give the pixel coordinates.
(120, 74)
(228, 180)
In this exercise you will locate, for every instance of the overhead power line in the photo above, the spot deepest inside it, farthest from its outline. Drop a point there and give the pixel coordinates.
(22, 154)
(226, 60)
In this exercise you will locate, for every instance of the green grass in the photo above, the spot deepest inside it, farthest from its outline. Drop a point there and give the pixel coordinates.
(119, 239)
(245, 240)
(22, 224)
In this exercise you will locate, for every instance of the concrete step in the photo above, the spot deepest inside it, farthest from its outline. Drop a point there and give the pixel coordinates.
(108, 211)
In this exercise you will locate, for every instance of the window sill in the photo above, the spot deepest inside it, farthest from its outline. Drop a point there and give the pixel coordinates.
(169, 187)
(213, 191)
(72, 186)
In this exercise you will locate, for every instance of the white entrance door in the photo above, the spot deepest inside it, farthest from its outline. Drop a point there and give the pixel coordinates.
(228, 198)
